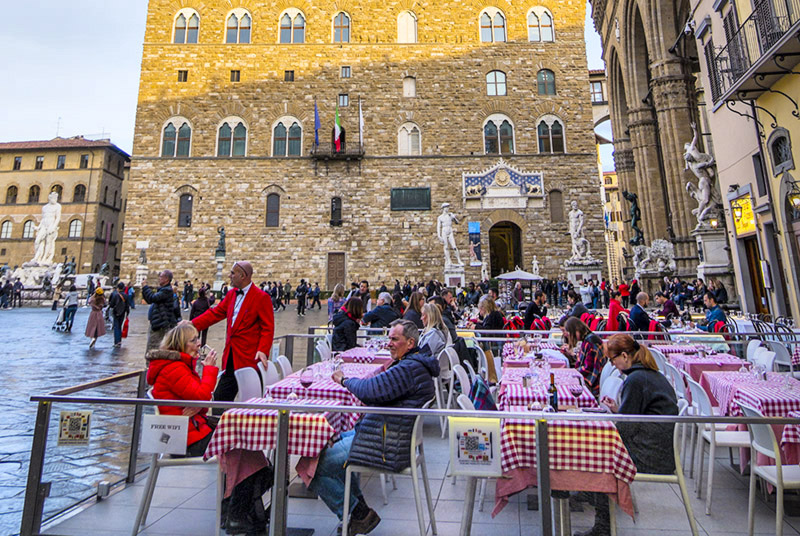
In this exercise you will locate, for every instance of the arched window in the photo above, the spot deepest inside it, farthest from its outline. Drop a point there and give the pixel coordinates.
(185, 210)
(59, 190)
(287, 141)
(409, 87)
(177, 140)
(780, 151)
(273, 210)
(238, 27)
(11, 195)
(79, 194)
(187, 27)
(232, 138)
(540, 25)
(292, 27)
(556, 199)
(409, 140)
(336, 211)
(551, 135)
(5, 229)
(492, 26)
(75, 228)
(496, 84)
(33, 194)
(546, 80)
(27, 229)
(498, 135)
(341, 28)
(406, 27)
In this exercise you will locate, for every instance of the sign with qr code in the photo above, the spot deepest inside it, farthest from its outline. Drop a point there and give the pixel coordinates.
(164, 434)
(74, 428)
(474, 446)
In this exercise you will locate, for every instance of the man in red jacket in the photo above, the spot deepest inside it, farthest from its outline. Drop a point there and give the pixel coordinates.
(250, 328)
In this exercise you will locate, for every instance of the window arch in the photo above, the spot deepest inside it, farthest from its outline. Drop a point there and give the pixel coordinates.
(556, 198)
(5, 229)
(59, 190)
(550, 132)
(11, 195)
(27, 229)
(176, 138)
(341, 28)
(546, 81)
(498, 135)
(336, 211)
(406, 27)
(492, 25)
(33, 194)
(185, 205)
(409, 140)
(292, 26)
(232, 137)
(780, 151)
(79, 194)
(287, 137)
(75, 228)
(496, 84)
(540, 25)
(273, 210)
(187, 27)
(238, 26)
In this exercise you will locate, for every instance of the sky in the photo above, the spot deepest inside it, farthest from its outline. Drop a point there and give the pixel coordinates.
(78, 73)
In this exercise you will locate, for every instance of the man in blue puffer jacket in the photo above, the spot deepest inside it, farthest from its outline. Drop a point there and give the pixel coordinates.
(380, 441)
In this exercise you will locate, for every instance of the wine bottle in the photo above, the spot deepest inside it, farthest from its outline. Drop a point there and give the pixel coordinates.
(553, 392)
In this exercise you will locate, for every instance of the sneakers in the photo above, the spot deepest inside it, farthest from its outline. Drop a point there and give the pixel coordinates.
(365, 525)
(91, 344)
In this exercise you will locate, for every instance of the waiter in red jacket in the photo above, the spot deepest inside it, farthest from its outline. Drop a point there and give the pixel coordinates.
(250, 328)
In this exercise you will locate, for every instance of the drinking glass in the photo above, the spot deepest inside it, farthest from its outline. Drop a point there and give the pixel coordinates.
(306, 379)
(576, 389)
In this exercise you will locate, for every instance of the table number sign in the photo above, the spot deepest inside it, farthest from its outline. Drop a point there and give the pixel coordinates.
(474, 446)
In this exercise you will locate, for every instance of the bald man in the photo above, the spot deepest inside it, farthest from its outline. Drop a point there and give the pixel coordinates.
(250, 324)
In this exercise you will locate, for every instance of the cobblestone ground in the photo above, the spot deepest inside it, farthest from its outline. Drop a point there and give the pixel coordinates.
(39, 360)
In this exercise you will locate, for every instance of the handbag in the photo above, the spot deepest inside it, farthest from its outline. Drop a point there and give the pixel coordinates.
(125, 328)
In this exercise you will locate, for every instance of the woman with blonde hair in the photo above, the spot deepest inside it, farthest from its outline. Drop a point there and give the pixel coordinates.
(96, 326)
(336, 301)
(434, 334)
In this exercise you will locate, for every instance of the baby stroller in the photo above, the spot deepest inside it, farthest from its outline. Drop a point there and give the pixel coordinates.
(61, 324)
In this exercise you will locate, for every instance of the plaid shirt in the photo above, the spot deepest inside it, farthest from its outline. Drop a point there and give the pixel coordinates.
(590, 362)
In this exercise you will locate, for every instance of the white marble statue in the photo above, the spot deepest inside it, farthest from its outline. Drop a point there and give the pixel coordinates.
(659, 258)
(580, 246)
(484, 272)
(701, 165)
(444, 230)
(535, 266)
(44, 246)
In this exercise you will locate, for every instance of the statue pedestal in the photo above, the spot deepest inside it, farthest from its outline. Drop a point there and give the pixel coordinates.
(577, 272)
(454, 275)
(714, 258)
(141, 274)
(217, 286)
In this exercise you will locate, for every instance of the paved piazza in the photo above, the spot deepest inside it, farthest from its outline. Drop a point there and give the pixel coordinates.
(42, 360)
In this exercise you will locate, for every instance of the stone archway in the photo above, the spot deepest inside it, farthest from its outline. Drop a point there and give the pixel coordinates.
(505, 247)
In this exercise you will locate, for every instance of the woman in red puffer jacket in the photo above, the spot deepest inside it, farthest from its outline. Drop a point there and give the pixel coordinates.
(172, 373)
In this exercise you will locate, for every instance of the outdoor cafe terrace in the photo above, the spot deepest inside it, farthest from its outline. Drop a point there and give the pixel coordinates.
(502, 472)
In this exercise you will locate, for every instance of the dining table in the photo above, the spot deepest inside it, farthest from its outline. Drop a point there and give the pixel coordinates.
(513, 392)
(360, 354)
(696, 363)
(774, 396)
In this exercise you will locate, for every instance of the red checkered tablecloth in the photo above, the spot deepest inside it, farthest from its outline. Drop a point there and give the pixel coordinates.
(364, 355)
(770, 397)
(324, 388)
(513, 374)
(696, 365)
(791, 432)
(509, 349)
(676, 348)
(796, 355)
(514, 394)
(256, 429)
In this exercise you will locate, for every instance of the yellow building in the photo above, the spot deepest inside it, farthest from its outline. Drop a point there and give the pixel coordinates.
(89, 177)
(612, 208)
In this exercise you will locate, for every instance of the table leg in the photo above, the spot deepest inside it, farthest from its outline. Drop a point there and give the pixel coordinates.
(469, 506)
(563, 524)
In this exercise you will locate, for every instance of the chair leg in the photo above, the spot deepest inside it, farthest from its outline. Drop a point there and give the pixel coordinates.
(700, 448)
(427, 484)
(482, 494)
(437, 391)
(348, 475)
(779, 510)
(710, 483)
(751, 504)
(450, 390)
(382, 478)
(417, 499)
(686, 502)
(220, 495)
(694, 432)
(144, 505)
(394, 483)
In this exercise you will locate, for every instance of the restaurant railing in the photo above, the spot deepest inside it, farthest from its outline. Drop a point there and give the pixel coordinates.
(36, 489)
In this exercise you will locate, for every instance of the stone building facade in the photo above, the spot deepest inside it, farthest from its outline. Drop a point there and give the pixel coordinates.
(481, 105)
(89, 177)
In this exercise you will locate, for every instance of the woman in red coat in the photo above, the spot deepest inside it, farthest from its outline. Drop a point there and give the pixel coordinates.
(614, 309)
(172, 373)
(625, 293)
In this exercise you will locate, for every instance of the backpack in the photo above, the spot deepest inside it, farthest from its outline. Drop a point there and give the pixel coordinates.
(514, 323)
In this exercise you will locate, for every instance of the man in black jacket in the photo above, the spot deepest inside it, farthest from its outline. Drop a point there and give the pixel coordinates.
(164, 313)
(383, 314)
(119, 310)
(538, 307)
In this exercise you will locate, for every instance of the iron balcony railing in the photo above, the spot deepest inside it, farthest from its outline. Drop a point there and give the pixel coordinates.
(755, 37)
(327, 151)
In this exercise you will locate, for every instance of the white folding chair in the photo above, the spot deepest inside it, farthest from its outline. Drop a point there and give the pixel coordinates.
(782, 355)
(611, 388)
(284, 366)
(324, 350)
(269, 374)
(752, 346)
(442, 385)
(249, 384)
(417, 465)
(463, 379)
(608, 368)
(661, 359)
(708, 433)
(766, 359)
(157, 462)
(763, 441)
(470, 371)
(483, 366)
(452, 357)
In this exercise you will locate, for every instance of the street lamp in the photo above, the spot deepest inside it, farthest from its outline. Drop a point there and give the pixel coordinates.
(794, 195)
(737, 209)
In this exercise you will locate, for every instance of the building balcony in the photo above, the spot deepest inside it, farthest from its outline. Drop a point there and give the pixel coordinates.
(327, 151)
(761, 51)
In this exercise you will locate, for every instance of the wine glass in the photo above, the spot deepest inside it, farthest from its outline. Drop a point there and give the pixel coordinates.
(576, 390)
(306, 379)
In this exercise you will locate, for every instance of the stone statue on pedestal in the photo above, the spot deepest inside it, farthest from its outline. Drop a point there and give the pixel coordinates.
(701, 165)
(636, 217)
(444, 230)
(535, 266)
(221, 245)
(581, 251)
(44, 246)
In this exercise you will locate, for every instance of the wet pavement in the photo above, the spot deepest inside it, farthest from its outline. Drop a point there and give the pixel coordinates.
(39, 360)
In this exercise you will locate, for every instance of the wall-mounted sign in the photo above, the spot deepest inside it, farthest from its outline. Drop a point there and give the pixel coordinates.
(164, 434)
(744, 221)
(474, 446)
(74, 427)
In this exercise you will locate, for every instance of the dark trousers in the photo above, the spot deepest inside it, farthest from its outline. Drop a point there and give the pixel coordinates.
(203, 337)
(625, 300)
(301, 305)
(17, 299)
(118, 321)
(316, 302)
(69, 316)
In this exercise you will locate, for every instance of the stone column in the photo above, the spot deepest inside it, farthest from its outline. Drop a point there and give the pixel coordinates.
(643, 141)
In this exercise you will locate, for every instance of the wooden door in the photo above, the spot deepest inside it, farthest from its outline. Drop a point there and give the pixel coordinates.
(336, 269)
(756, 280)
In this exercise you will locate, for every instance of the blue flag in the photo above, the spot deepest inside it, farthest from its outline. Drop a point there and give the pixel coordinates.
(316, 125)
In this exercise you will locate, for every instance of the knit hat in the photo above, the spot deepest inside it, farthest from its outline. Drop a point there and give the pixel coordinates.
(99, 291)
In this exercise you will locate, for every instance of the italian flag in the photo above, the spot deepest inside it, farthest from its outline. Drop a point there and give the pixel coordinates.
(337, 131)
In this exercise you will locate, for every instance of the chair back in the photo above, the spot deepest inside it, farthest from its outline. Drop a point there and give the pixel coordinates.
(483, 365)
(782, 355)
(752, 347)
(465, 403)
(766, 359)
(323, 350)
(611, 388)
(762, 437)
(700, 398)
(269, 374)
(661, 359)
(417, 435)
(470, 371)
(463, 379)
(284, 366)
(498, 367)
(452, 355)
(445, 372)
(249, 383)
(608, 368)
(149, 394)
(683, 407)
(677, 380)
